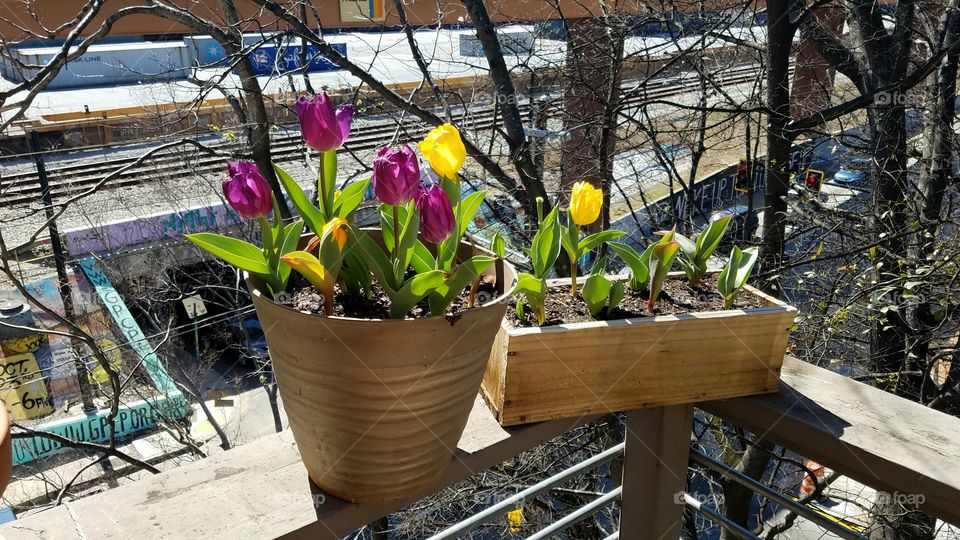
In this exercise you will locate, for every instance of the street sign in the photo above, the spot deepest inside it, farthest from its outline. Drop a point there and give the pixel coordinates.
(194, 306)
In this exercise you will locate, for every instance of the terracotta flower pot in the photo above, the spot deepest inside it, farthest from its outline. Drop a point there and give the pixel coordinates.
(377, 406)
(6, 449)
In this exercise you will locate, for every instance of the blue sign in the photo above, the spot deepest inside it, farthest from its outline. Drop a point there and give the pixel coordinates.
(273, 60)
(128, 326)
(95, 428)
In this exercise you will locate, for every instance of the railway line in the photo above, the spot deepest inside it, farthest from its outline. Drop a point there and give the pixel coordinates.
(72, 178)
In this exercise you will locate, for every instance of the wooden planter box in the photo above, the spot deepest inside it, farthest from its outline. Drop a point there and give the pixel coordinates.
(577, 369)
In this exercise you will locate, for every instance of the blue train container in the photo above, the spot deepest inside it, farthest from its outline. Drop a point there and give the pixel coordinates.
(204, 51)
(269, 58)
(274, 60)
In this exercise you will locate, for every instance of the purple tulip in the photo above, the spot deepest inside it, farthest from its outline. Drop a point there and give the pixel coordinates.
(436, 214)
(246, 190)
(323, 128)
(396, 175)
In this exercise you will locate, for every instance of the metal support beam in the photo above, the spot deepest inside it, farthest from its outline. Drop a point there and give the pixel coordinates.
(655, 471)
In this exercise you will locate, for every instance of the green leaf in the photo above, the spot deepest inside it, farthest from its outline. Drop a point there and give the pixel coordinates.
(243, 255)
(497, 245)
(687, 246)
(661, 259)
(710, 238)
(268, 237)
(599, 267)
(386, 223)
(466, 210)
(356, 273)
(545, 247)
(310, 267)
(350, 198)
(310, 214)
(451, 187)
(376, 259)
(409, 222)
(409, 229)
(276, 229)
(617, 293)
(596, 290)
(463, 213)
(569, 235)
(330, 254)
(734, 276)
(465, 273)
(423, 260)
(534, 291)
(413, 291)
(639, 271)
(688, 268)
(696, 254)
(291, 239)
(596, 239)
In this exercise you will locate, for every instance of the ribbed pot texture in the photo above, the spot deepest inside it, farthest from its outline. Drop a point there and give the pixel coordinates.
(377, 406)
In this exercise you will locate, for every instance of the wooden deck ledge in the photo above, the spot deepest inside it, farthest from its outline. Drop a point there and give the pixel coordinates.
(261, 489)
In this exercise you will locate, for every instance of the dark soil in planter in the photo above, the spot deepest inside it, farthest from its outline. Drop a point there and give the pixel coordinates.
(307, 298)
(677, 297)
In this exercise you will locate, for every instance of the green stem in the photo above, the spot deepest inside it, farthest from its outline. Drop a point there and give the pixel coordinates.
(573, 239)
(322, 190)
(396, 235)
(573, 276)
(266, 236)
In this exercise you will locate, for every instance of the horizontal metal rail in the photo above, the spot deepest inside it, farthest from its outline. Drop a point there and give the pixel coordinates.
(774, 495)
(578, 515)
(509, 503)
(718, 518)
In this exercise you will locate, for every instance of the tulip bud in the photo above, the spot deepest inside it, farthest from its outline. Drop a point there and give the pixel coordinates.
(585, 203)
(246, 190)
(396, 175)
(436, 215)
(324, 128)
(337, 229)
(444, 150)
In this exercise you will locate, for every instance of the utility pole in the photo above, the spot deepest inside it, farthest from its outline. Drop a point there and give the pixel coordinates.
(60, 259)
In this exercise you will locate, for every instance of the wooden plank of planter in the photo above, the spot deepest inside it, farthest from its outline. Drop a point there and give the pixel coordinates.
(576, 369)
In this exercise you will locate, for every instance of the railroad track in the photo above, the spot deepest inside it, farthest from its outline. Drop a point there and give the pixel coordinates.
(73, 178)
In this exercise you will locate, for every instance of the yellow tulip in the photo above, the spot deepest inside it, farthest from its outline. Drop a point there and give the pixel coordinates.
(443, 149)
(585, 203)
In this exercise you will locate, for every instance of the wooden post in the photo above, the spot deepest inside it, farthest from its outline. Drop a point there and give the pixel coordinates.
(655, 472)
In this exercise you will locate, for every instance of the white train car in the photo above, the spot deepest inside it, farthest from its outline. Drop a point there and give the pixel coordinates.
(112, 64)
